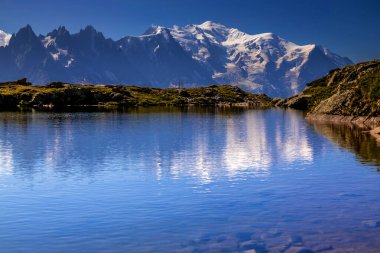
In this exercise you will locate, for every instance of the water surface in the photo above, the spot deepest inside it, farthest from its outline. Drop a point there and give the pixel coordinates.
(193, 180)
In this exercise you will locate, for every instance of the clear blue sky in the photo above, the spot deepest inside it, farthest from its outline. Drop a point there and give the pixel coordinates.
(348, 27)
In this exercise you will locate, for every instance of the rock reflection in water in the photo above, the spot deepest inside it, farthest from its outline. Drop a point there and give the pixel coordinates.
(352, 138)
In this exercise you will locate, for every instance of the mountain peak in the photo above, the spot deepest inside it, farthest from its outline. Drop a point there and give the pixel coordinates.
(210, 25)
(26, 30)
(61, 31)
(24, 39)
(25, 35)
(89, 29)
(90, 32)
(250, 61)
(156, 29)
(268, 35)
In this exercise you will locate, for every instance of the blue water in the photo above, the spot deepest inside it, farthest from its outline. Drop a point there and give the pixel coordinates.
(186, 181)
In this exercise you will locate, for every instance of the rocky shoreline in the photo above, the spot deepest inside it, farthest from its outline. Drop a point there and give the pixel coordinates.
(347, 95)
(375, 133)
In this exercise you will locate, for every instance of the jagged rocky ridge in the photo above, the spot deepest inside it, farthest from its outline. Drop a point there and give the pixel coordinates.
(198, 55)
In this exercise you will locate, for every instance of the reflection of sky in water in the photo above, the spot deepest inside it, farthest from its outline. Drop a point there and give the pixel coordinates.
(95, 180)
(6, 159)
(202, 146)
(292, 140)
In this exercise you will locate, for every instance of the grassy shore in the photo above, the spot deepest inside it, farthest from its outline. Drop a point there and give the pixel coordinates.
(23, 94)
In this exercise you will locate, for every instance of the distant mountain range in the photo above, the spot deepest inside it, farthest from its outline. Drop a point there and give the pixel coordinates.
(197, 55)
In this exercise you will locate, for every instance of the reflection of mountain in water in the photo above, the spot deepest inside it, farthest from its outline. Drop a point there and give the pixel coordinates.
(247, 147)
(204, 144)
(291, 138)
(352, 138)
(222, 145)
(199, 143)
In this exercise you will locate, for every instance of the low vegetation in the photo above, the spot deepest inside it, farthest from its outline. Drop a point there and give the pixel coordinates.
(22, 94)
(350, 91)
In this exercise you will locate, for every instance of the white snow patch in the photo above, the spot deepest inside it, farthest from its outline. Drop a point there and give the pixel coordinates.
(156, 48)
(247, 59)
(4, 38)
(55, 56)
(48, 41)
(69, 62)
(59, 54)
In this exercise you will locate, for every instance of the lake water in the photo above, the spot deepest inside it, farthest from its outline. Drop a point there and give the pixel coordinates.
(189, 180)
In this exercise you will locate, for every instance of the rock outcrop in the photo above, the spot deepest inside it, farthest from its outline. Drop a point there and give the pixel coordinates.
(350, 91)
(350, 94)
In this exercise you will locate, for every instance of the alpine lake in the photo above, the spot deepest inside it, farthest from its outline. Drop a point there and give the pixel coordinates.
(168, 179)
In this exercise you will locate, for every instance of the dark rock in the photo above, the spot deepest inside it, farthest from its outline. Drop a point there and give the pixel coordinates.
(298, 102)
(184, 93)
(55, 85)
(22, 81)
(8, 101)
(210, 92)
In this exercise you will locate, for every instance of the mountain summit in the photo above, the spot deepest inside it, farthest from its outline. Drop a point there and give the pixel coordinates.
(262, 62)
(209, 53)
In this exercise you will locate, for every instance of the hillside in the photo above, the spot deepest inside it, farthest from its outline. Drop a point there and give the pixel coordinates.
(350, 94)
(22, 94)
(350, 91)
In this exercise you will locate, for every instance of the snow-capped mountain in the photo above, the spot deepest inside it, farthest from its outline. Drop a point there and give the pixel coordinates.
(262, 62)
(4, 38)
(204, 54)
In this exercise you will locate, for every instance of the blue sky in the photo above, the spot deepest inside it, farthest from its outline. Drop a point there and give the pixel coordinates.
(348, 27)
